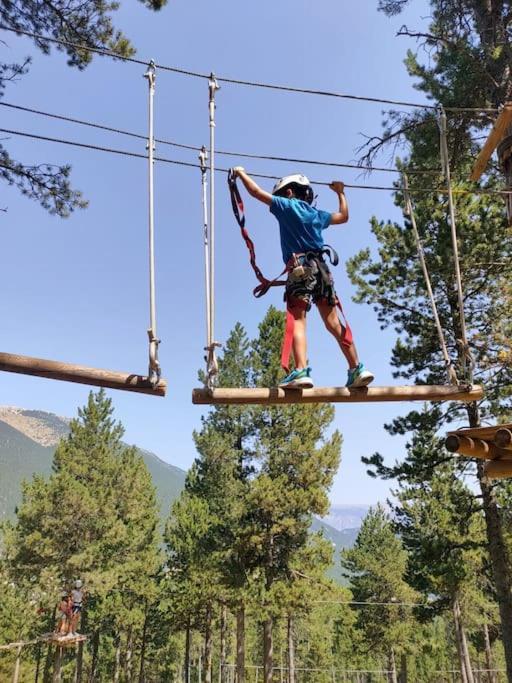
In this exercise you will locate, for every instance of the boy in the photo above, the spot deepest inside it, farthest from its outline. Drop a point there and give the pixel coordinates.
(77, 597)
(64, 614)
(309, 279)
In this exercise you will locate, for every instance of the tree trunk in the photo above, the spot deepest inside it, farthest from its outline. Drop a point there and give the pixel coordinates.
(47, 665)
(79, 664)
(208, 646)
(223, 641)
(38, 663)
(462, 646)
(240, 645)
(268, 651)
(392, 667)
(500, 562)
(94, 659)
(57, 665)
(403, 669)
(128, 660)
(291, 651)
(489, 663)
(143, 646)
(187, 654)
(117, 659)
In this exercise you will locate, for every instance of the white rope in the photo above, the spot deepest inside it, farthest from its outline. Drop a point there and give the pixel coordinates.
(445, 163)
(452, 375)
(211, 360)
(203, 156)
(154, 365)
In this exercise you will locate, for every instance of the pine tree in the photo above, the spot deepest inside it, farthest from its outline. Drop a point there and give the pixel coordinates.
(377, 564)
(95, 519)
(469, 67)
(87, 24)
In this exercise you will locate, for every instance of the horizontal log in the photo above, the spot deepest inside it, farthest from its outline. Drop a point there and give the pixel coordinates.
(80, 374)
(277, 396)
(495, 136)
(498, 469)
(476, 448)
(485, 433)
(503, 438)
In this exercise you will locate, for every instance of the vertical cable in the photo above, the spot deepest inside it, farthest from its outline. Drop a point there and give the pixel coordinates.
(154, 365)
(211, 362)
(203, 156)
(452, 375)
(445, 163)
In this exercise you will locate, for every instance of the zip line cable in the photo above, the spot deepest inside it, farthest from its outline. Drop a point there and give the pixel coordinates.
(193, 148)
(189, 164)
(234, 81)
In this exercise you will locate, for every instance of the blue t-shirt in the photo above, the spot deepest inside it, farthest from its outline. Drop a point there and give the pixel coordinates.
(300, 225)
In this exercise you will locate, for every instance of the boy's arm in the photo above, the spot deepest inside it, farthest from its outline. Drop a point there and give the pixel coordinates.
(252, 188)
(340, 216)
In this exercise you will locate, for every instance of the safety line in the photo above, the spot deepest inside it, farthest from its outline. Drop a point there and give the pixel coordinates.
(234, 81)
(245, 155)
(111, 150)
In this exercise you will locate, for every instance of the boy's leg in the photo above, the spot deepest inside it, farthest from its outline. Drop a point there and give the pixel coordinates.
(299, 337)
(333, 324)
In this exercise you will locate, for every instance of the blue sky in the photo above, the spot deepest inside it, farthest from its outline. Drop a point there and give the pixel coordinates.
(76, 289)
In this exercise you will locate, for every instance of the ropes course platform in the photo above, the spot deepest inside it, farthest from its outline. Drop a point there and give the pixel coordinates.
(80, 374)
(63, 640)
(492, 444)
(277, 396)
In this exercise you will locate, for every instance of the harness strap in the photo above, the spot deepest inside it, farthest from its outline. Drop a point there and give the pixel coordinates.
(239, 211)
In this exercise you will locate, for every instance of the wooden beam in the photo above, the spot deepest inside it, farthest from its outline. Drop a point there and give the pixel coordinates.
(475, 448)
(485, 433)
(498, 469)
(495, 136)
(276, 396)
(67, 372)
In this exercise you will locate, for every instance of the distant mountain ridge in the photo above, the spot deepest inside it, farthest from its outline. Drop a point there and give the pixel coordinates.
(28, 439)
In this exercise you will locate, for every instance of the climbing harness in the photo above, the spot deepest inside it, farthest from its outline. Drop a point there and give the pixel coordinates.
(297, 268)
(154, 365)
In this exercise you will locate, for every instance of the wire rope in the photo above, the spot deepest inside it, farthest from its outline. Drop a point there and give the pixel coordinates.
(223, 79)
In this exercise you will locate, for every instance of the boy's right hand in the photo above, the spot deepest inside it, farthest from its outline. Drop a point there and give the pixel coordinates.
(337, 186)
(237, 170)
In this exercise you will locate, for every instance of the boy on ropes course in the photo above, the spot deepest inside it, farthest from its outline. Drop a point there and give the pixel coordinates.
(309, 279)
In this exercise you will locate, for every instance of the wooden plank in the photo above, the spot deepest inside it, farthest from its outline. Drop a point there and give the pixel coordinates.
(80, 374)
(485, 433)
(498, 469)
(277, 396)
(495, 136)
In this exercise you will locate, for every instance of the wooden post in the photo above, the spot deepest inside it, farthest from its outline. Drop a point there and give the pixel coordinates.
(67, 372)
(79, 662)
(503, 438)
(57, 663)
(240, 644)
(17, 664)
(277, 396)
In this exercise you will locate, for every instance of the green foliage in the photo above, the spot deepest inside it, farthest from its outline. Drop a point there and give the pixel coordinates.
(87, 24)
(378, 564)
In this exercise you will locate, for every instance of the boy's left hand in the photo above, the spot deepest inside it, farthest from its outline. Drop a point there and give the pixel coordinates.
(337, 186)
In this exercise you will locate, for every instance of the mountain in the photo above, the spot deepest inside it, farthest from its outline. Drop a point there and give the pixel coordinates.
(28, 439)
(346, 516)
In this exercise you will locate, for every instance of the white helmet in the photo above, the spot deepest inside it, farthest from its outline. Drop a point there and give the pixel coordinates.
(295, 179)
(78, 583)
